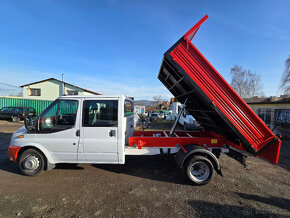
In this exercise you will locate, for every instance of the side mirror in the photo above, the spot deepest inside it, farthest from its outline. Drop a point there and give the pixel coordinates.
(28, 123)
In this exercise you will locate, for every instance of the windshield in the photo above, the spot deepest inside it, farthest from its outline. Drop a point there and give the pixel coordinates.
(4, 109)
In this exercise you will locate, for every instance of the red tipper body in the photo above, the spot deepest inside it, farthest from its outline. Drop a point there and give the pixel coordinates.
(187, 74)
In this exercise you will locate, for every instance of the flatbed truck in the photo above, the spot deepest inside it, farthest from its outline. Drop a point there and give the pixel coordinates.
(100, 129)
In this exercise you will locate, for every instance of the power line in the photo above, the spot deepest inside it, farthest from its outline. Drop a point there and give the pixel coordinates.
(6, 84)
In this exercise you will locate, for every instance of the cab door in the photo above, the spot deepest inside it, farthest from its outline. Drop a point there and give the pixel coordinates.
(99, 131)
(58, 130)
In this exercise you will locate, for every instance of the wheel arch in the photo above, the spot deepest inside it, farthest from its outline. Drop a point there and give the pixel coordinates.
(191, 150)
(48, 159)
(15, 115)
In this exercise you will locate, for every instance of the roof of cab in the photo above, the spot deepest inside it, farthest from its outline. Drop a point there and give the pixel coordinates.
(95, 96)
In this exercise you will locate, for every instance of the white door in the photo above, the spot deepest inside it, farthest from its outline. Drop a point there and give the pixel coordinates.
(58, 130)
(99, 131)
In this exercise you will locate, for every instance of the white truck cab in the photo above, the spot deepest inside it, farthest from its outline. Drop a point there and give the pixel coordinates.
(75, 129)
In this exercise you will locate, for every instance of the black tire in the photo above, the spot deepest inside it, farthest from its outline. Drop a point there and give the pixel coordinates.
(199, 170)
(185, 127)
(15, 119)
(31, 162)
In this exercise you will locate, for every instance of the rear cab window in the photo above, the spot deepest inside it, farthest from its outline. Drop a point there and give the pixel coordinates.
(128, 108)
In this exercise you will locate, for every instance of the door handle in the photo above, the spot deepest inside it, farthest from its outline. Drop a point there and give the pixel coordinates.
(78, 133)
(112, 133)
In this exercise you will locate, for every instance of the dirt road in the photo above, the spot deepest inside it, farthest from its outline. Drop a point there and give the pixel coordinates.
(144, 187)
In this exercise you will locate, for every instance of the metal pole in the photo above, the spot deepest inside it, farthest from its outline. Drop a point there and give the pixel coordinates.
(177, 119)
(63, 84)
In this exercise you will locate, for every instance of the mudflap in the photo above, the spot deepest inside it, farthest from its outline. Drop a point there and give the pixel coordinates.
(238, 156)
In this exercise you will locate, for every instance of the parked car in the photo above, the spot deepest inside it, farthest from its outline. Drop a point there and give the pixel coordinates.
(168, 113)
(154, 117)
(16, 113)
(161, 115)
(149, 113)
(169, 116)
(187, 121)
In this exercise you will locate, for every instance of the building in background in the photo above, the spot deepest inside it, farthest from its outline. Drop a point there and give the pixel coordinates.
(50, 89)
(139, 109)
(274, 111)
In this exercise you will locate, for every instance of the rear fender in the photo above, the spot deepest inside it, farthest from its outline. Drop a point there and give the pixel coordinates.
(191, 150)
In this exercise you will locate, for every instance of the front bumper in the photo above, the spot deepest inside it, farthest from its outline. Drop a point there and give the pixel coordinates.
(13, 151)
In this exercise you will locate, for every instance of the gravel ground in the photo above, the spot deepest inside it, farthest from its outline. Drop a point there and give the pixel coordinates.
(144, 187)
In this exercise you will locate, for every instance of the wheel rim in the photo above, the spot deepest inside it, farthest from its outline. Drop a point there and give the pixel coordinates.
(199, 171)
(31, 163)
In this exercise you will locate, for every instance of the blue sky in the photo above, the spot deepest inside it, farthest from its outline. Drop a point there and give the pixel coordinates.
(116, 47)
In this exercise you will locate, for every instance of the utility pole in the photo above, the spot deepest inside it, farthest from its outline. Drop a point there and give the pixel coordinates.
(63, 84)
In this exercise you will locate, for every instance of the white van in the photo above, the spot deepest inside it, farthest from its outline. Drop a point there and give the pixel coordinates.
(75, 129)
(188, 121)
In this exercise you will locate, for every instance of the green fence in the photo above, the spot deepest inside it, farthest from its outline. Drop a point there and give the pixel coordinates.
(38, 105)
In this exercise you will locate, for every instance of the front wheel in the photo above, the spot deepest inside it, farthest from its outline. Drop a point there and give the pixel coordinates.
(15, 119)
(31, 162)
(199, 170)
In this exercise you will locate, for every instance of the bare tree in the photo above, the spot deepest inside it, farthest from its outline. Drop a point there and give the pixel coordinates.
(158, 99)
(285, 81)
(246, 83)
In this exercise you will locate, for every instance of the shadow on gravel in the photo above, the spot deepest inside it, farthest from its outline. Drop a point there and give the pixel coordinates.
(64, 166)
(4, 143)
(149, 167)
(10, 167)
(210, 209)
(284, 158)
(274, 201)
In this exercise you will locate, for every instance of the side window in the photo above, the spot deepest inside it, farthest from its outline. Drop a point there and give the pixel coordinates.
(11, 110)
(67, 113)
(29, 109)
(48, 117)
(59, 116)
(128, 108)
(100, 113)
(17, 110)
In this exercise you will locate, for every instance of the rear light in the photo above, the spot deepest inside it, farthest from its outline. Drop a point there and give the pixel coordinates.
(23, 114)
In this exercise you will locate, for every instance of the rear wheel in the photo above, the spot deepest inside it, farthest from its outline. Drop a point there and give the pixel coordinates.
(199, 170)
(15, 119)
(31, 162)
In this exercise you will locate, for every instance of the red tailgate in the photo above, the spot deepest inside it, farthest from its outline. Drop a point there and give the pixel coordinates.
(212, 101)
